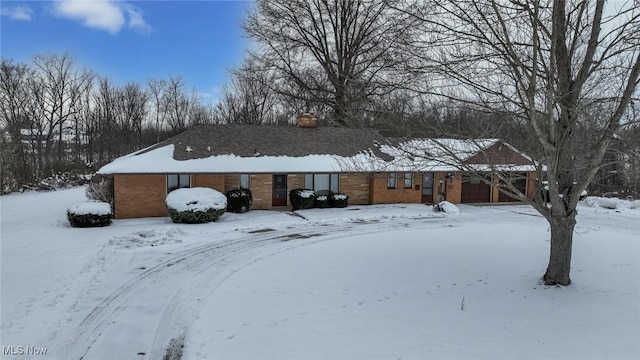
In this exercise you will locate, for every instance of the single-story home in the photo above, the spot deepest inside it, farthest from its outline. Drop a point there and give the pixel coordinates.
(272, 160)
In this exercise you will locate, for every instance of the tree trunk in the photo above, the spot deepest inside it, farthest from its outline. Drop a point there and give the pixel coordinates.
(560, 257)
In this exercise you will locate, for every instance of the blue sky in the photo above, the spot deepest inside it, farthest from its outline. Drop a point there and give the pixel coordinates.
(131, 40)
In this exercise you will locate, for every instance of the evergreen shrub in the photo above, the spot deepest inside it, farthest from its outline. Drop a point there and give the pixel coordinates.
(195, 205)
(195, 216)
(239, 200)
(89, 214)
(322, 201)
(302, 199)
(339, 200)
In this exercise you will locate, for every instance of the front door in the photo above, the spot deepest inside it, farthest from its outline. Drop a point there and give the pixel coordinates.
(427, 188)
(279, 190)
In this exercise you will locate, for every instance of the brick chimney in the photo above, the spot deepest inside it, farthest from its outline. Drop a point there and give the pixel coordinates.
(307, 120)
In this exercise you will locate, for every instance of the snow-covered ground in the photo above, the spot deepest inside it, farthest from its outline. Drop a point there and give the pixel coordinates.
(365, 282)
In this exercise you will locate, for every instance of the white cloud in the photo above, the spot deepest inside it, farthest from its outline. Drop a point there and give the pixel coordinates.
(23, 13)
(99, 14)
(109, 15)
(136, 21)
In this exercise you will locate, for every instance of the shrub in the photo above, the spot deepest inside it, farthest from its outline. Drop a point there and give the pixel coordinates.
(239, 200)
(302, 198)
(195, 205)
(339, 200)
(100, 188)
(322, 201)
(90, 214)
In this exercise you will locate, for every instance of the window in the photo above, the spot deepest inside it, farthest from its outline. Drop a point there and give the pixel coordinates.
(244, 181)
(475, 180)
(177, 181)
(322, 182)
(408, 180)
(391, 181)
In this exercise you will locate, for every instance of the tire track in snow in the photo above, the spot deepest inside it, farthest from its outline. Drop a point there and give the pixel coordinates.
(172, 319)
(216, 256)
(207, 266)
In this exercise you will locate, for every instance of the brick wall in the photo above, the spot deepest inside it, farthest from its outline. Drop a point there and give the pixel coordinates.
(380, 194)
(140, 196)
(357, 186)
(294, 181)
(231, 182)
(261, 190)
(213, 181)
(452, 186)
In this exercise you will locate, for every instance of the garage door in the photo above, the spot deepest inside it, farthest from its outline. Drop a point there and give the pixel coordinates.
(475, 190)
(520, 182)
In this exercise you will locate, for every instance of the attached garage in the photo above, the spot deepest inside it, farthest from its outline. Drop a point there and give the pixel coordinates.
(519, 180)
(474, 190)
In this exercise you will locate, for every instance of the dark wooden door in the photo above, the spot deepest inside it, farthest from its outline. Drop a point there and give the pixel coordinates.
(519, 180)
(427, 188)
(279, 197)
(475, 190)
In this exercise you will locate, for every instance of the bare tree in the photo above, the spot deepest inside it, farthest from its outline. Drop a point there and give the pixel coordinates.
(82, 113)
(61, 86)
(15, 167)
(549, 64)
(104, 123)
(247, 98)
(156, 89)
(176, 104)
(339, 53)
(133, 111)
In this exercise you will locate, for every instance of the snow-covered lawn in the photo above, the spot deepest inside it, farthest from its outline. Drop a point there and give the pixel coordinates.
(364, 282)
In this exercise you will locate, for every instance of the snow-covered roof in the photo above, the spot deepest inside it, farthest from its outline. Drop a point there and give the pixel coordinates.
(161, 160)
(214, 149)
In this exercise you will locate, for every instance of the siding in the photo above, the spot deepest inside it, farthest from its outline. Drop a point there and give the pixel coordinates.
(498, 154)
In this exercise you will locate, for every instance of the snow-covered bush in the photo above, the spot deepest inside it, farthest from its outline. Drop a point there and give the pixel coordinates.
(339, 200)
(239, 200)
(100, 188)
(609, 203)
(447, 207)
(302, 198)
(612, 203)
(90, 214)
(195, 205)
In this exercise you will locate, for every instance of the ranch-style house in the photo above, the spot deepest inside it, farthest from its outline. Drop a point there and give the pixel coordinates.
(272, 160)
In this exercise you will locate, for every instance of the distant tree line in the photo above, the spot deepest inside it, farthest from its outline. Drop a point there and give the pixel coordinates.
(56, 117)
